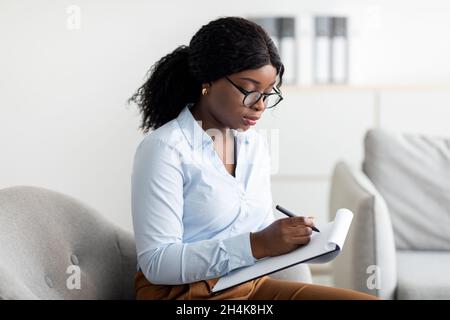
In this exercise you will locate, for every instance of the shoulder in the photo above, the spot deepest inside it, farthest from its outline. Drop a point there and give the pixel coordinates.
(168, 136)
(163, 147)
(157, 155)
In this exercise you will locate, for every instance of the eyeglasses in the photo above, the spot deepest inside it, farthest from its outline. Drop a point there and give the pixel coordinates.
(252, 97)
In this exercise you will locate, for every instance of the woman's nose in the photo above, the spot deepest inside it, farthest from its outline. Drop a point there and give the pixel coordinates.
(260, 105)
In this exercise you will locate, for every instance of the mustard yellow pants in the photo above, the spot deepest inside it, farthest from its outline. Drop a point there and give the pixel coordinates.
(264, 288)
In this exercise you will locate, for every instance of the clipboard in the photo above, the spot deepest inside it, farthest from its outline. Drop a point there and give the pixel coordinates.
(323, 247)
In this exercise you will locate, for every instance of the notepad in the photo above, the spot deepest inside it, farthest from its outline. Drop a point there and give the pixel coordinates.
(323, 247)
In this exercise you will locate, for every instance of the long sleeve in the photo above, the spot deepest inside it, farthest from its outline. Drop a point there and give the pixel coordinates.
(157, 209)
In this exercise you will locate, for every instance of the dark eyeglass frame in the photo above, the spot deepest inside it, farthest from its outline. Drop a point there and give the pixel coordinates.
(261, 94)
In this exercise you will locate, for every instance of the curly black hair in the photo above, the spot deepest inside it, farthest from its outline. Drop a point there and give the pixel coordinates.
(222, 47)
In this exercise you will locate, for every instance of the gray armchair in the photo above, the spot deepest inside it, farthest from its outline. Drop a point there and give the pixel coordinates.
(47, 239)
(398, 246)
(43, 234)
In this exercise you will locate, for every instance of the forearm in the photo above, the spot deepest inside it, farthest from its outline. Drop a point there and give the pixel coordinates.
(180, 263)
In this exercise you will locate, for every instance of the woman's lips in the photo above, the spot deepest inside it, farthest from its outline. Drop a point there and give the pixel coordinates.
(250, 122)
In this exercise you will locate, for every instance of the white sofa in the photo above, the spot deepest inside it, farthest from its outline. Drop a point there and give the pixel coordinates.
(398, 246)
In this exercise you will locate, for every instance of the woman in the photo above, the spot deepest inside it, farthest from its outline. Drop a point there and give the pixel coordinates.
(201, 198)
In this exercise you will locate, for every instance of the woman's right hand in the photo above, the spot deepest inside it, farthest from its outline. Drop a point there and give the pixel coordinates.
(282, 236)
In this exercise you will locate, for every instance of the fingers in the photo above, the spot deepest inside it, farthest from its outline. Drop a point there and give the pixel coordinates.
(301, 240)
(306, 221)
(301, 231)
(300, 235)
(296, 230)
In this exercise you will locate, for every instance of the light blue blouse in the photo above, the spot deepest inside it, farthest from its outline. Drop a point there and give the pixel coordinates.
(191, 218)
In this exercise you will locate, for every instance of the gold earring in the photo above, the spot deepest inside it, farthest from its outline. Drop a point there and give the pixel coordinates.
(204, 91)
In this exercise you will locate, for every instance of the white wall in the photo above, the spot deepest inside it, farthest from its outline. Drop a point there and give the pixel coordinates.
(401, 42)
(64, 123)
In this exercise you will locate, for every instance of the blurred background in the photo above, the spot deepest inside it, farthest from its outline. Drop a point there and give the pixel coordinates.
(68, 67)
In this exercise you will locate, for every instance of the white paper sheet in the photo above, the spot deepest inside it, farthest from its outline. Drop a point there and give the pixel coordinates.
(323, 247)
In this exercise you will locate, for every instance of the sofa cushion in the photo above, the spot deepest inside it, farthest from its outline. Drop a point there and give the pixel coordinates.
(423, 275)
(412, 173)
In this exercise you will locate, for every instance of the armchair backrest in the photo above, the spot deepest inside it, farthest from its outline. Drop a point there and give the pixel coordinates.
(412, 173)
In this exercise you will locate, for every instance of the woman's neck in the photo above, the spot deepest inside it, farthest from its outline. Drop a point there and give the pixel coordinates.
(200, 113)
(223, 142)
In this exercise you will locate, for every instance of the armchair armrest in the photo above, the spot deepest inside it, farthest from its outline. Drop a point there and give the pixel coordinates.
(367, 262)
(127, 249)
(299, 272)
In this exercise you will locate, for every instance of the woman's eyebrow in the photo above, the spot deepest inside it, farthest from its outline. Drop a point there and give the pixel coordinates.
(255, 81)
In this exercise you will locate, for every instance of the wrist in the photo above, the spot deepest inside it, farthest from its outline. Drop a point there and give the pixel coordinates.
(257, 245)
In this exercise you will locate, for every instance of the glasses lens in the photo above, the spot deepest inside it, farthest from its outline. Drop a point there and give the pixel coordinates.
(269, 101)
(251, 98)
(272, 100)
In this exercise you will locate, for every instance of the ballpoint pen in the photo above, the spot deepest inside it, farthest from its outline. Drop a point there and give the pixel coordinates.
(290, 214)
